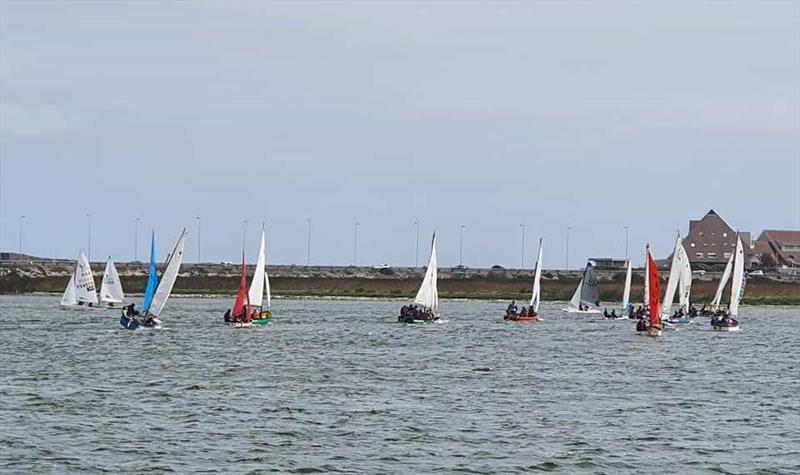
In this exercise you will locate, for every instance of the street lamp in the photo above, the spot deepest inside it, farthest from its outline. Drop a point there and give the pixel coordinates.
(244, 234)
(566, 264)
(90, 236)
(308, 244)
(21, 218)
(355, 245)
(416, 255)
(198, 237)
(136, 239)
(626, 242)
(461, 246)
(522, 261)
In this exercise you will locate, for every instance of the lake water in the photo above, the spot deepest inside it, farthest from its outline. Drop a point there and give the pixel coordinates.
(338, 386)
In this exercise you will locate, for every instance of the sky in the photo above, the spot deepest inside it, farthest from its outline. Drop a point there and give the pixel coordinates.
(589, 115)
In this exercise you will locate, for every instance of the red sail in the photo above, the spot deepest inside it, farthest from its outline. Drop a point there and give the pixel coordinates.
(240, 310)
(654, 288)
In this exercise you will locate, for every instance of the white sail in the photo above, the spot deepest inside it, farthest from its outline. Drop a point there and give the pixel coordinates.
(85, 291)
(69, 293)
(674, 276)
(537, 277)
(111, 288)
(626, 293)
(256, 292)
(268, 289)
(428, 293)
(685, 282)
(575, 301)
(722, 283)
(168, 278)
(738, 279)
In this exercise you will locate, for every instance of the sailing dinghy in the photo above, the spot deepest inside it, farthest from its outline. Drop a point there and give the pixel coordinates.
(259, 286)
(627, 309)
(80, 292)
(651, 324)
(531, 315)
(680, 280)
(111, 294)
(586, 298)
(157, 292)
(240, 316)
(728, 321)
(425, 308)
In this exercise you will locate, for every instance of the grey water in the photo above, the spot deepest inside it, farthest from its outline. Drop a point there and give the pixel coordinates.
(338, 386)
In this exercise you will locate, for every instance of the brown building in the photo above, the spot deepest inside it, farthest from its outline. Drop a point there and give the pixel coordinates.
(711, 241)
(783, 245)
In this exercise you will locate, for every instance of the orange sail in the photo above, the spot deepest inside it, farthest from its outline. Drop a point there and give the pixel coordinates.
(241, 307)
(653, 290)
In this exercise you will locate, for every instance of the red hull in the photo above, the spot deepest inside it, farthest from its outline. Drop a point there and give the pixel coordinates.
(524, 319)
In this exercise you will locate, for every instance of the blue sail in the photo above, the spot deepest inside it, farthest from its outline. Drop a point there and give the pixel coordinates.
(152, 278)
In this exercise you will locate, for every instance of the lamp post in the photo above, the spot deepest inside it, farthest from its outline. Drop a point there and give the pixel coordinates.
(21, 219)
(90, 236)
(136, 239)
(416, 253)
(566, 263)
(626, 242)
(522, 260)
(198, 237)
(244, 234)
(355, 244)
(461, 246)
(308, 244)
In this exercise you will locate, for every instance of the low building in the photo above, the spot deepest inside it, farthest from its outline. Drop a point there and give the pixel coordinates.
(783, 244)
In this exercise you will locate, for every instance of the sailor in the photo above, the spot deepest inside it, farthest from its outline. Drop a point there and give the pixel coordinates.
(532, 312)
(606, 314)
(512, 308)
(613, 313)
(227, 316)
(524, 312)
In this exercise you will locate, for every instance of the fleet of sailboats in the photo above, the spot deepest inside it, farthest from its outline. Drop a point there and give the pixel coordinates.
(252, 305)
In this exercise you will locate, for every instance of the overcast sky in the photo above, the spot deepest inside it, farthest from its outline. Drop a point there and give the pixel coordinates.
(585, 114)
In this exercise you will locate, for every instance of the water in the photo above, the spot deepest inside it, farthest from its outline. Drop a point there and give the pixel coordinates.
(338, 386)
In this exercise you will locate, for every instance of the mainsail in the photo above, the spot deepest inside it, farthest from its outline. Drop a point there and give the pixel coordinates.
(626, 293)
(653, 289)
(241, 306)
(152, 276)
(69, 293)
(678, 278)
(428, 294)
(590, 295)
(726, 274)
(85, 290)
(260, 280)
(737, 286)
(111, 288)
(169, 276)
(537, 277)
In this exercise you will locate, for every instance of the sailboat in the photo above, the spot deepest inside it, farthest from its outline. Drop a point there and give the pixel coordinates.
(240, 316)
(680, 280)
(111, 293)
(651, 327)
(531, 315)
(726, 275)
(425, 308)
(157, 291)
(626, 293)
(729, 321)
(259, 286)
(80, 292)
(586, 298)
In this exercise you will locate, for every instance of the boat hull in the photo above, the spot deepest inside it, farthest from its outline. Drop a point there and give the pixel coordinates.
(132, 324)
(583, 312)
(240, 324)
(418, 320)
(720, 328)
(523, 319)
(262, 321)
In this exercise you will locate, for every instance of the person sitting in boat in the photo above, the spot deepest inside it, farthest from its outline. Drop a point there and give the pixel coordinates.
(512, 308)
(641, 326)
(523, 312)
(692, 311)
(613, 313)
(606, 314)
(227, 316)
(532, 312)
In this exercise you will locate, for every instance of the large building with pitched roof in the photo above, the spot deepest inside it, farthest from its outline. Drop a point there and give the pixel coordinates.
(784, 246)
(711, 241)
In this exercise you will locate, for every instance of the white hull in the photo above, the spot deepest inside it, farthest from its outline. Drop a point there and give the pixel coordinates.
(654, 332)
(575, 310)
(241, 324)
(84, 307)
(726, 329)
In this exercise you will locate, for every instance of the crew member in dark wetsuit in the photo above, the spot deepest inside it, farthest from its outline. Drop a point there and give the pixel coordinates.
(227, 316)
(512, 308)
(606, 314)
(613, 313)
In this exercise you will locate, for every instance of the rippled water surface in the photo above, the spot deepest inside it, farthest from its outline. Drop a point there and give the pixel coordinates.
(338, 386)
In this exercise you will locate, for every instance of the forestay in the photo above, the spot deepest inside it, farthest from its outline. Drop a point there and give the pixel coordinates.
(169, 277)
(428, 293)
(111, 288)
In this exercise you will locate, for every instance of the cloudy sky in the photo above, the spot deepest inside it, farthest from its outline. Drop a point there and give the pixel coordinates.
(584, 114)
